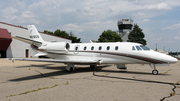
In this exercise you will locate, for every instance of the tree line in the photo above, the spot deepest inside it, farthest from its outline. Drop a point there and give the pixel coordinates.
(64, 34)
(174, 53)
(136, 35)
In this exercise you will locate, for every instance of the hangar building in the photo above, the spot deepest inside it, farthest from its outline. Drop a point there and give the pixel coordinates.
(11, 48)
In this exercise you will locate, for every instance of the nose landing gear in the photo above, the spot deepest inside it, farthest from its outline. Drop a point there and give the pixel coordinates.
(155, 71)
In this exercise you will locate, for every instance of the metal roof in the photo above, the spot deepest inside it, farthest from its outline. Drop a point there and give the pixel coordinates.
(4, 34)
(26, 29)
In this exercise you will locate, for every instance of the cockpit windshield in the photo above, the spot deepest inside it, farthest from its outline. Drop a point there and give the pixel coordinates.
(138, 48)
(144, 47)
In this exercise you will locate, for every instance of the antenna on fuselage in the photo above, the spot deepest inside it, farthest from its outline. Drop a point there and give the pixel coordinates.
(91, 41)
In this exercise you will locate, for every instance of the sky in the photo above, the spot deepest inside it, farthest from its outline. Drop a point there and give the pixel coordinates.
(87, 19)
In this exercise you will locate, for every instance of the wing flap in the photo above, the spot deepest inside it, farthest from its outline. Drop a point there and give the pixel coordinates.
(29, 41)
(60, 61)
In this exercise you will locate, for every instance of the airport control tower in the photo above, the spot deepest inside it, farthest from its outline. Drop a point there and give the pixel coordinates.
(125, 27)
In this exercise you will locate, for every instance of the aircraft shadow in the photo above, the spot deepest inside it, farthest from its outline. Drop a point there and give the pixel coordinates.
(47, 66)
(56, 73)
(32, 65)
(62, 71)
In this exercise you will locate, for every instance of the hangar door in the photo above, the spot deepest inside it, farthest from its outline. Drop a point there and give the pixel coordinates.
(5, 40)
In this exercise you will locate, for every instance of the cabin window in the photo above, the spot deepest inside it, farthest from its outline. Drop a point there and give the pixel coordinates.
(76, 48)
(144, 47)
(116, 48)
(138, 48)
(85, 48)
(92, 48)
(133, 48)
(108, 47)
(100, 47)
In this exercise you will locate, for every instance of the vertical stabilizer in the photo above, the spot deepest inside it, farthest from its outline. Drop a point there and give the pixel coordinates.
(34, 34)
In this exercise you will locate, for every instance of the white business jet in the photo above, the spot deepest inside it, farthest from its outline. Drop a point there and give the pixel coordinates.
(118, 53)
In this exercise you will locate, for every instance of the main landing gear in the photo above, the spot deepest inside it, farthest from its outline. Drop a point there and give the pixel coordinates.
(93, 66)
(155, 71)
(122, 66)
(70, 67)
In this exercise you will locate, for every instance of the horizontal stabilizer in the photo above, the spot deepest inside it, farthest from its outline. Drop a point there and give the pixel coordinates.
(60, 61)
(29, 41)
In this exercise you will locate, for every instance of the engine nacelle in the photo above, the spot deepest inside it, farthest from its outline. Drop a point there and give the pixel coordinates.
(57, 47)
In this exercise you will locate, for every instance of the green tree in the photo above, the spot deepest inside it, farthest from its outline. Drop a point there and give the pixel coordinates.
(136, 35)
(63, 34)
(75, 39)
(109, 36)
(60, 33)
(48, 32)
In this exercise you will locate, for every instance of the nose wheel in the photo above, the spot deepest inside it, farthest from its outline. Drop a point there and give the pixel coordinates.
(155, 71)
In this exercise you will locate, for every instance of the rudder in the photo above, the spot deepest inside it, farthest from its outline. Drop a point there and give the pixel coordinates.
(34, 34)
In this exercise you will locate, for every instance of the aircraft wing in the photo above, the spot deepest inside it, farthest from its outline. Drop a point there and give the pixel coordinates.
(29, 41)
(60, 61)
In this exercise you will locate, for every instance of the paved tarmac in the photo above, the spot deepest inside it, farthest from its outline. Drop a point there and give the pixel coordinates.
(45, 81)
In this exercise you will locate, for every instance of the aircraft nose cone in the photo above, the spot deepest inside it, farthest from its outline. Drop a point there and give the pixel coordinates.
(165, 58)
(170, 59)
(173, 60)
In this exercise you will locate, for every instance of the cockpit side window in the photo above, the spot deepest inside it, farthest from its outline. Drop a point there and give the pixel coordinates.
(144, 47)
(133, 48)
(138, 48)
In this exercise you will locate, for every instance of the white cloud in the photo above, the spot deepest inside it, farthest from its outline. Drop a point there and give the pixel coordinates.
(173, 2)
(73, 27)
(28, 14)
(89, 18)
(177, 37)
(9, 11)
(38, 4)
(172, 27)
(92, 2)
(160, 6)
(171, 41)
(157, 39)
(145, 20)
(164, 6)
(14, 17)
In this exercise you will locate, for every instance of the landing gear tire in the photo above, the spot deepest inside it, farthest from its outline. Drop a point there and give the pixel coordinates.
(70, 70)
(155, 72)
(92, 66)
